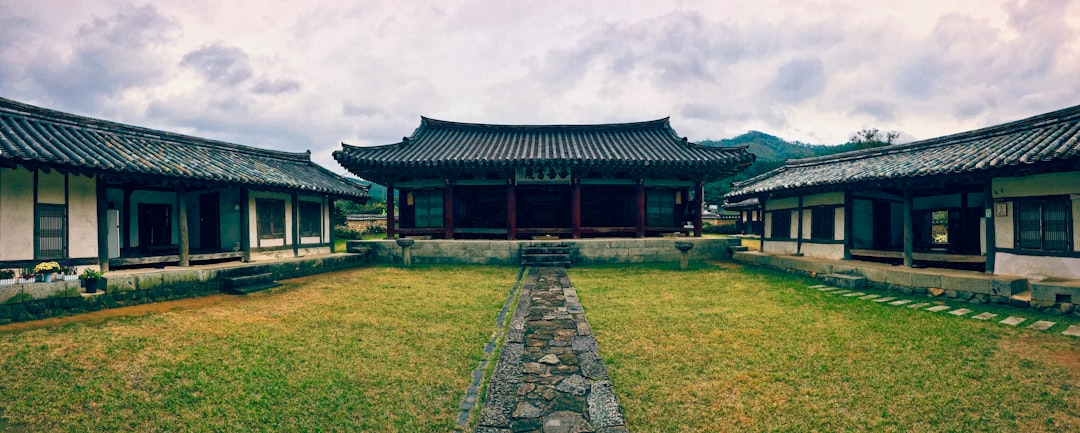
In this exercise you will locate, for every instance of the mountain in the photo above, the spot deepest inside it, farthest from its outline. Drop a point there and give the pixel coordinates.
(771, 153)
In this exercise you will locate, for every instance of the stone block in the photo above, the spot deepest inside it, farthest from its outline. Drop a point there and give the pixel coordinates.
(846, 281)
(920, 279)
(966, 284)
(899, 277)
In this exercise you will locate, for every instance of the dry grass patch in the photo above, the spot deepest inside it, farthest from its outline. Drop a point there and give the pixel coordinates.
(371, 349)
(722, 348)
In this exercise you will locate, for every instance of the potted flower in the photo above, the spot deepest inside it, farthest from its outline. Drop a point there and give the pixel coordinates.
(27, 275)
(45, 271)
(69, 272)
(92, 279)
(7, 277)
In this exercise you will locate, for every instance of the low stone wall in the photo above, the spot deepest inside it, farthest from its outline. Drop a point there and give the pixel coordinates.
(952, 283)
(582, 251)
(32, 301)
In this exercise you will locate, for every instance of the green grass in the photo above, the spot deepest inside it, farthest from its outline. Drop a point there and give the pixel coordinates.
(372, 349)
(728, 348)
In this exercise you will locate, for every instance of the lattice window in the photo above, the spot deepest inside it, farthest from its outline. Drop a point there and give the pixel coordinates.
(270, 214)
(660, 208)
(781, 224)
(823, 223)
(1044, 224)
(428, 206)
(310, 218)
(50, 232)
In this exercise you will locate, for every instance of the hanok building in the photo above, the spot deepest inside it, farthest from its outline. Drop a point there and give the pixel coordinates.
(466, 180)
(1004, 199)
(92, 192)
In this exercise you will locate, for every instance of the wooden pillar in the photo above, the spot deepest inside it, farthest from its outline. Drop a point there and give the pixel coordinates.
(575, 208)
(699, 202)
(125, 217)
(799, 229)
(448, 210)
(103, 225)
(511, 210)
(245, 226)
(390, 220)
(330, 214)
(295, 226)
(848, 224)
(639, 215)
(991, 237)
(909, 233)
(182, 221)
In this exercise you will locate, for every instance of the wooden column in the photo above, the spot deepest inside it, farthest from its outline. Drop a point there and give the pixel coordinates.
(245, 226)
(125, 217)
(390, 220)
(799, 229)
(295, 226)
(182, 221)
(909, 233)
(330, 214)
(103, 225)
(699, 201)
(511, 210)
(639, 215)
(448, 210)
(991, 236)
(575, 208)
(848, 224)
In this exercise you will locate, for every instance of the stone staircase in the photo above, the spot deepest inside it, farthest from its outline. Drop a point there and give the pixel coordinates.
(546, 255)
(242, 285)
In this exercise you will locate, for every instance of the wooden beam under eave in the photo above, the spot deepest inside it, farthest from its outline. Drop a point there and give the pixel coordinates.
(182, 222)
(103, 225)
(909, 233)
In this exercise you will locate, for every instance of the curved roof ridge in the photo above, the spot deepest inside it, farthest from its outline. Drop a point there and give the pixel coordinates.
(107, 126)
(430, 123)
(1033, 122)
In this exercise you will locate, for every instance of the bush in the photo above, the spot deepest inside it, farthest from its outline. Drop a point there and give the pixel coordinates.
(720, 229)
(346, 233)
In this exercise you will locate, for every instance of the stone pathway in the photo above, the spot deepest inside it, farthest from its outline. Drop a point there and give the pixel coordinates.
(1041, 325)
(549, 377)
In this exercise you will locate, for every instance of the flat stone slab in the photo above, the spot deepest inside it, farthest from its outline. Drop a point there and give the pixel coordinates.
(938, 308)
(960, 311)
(984, 316)
(1042, 325)
(900, 302)
(1013, 320)
(1073, 331)
(604, 409)
(869, 297)
(819, 286)
(919, 305)
(885, 299)
(840, 292)
(854, 294)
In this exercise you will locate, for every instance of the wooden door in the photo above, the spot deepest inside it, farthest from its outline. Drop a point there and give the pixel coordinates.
(209, 222)
(155, 225)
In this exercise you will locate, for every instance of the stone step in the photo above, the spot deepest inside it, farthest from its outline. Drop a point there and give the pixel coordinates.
(545, 250)
(244, 284)
(845, 281)
(545, 257)
(559, 264)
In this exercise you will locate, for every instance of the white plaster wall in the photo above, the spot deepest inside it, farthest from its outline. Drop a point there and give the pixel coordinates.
(16, 214)
(82, 217)
(1003, 228)
(807, 216)
(823, 251)
(766, 226)
(794, 224)
(822, 199)
(779, 247)
(50, 187)
(1036, 266)
(1036, 185)
(862, 223)
(782, 203)
(838, 224)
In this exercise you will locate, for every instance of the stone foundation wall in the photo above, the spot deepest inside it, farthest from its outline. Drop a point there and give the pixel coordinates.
(582, 251)
(23, 302)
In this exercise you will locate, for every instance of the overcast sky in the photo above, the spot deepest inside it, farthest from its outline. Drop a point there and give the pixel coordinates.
(298, 75)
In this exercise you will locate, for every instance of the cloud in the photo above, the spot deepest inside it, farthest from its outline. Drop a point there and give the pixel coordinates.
(798, 80)
(265, 86)
(220, 64)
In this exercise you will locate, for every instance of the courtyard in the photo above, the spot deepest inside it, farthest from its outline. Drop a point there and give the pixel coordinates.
(720, 347)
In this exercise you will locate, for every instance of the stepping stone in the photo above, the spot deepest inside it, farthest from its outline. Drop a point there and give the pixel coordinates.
(919, 305)
(885, 299)
(819, 286)
(900, 302)
(839, 292)
(984, 316)
(938, 308)
(1013, 320)
(869, 297)
(855, 294)
(828, 289)
(1041, 325)
(1073, 331)
(960, 312)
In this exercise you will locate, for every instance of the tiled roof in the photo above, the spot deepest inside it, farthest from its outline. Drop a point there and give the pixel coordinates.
(1051, 139)
(452, 147)
(748, 204)
(35, 136)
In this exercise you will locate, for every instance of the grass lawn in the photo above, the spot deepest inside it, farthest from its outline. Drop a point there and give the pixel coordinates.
(372, 349)
(727, 348)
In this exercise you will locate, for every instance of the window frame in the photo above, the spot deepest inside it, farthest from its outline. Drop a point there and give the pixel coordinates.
(41, 210)
(660, 207)
(787, 223)
(1022, 206)
(266, 215)
(823, 223)
(431, 201)
(305, 223)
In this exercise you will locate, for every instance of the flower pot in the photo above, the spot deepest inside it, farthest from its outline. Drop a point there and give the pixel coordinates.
(92, 286)
(45, 278)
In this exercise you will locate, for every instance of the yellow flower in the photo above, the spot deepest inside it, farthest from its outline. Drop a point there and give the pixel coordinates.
(45, 267)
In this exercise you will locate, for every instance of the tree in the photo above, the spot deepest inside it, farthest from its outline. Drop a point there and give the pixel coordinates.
(872, 137)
